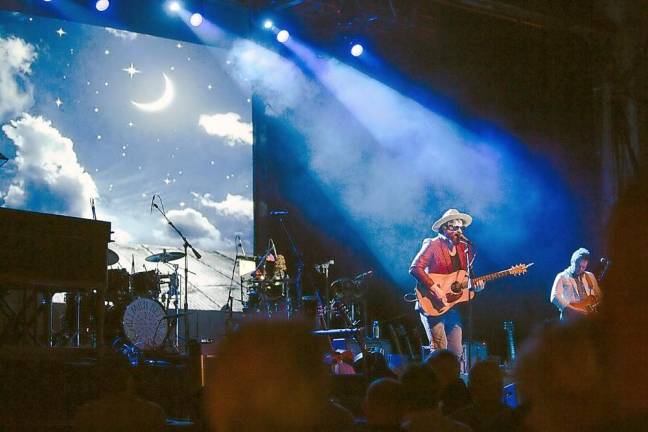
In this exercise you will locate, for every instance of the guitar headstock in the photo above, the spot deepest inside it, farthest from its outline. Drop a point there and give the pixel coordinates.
(519, 269)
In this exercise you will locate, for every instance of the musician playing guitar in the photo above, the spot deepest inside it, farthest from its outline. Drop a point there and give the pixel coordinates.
(575, 291)
(442, 255)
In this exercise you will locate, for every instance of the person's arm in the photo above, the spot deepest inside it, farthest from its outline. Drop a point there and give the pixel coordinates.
(558, 296)
(419, 265)
(557, 293)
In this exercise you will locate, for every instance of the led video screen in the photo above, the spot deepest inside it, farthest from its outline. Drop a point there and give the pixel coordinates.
(98, 115)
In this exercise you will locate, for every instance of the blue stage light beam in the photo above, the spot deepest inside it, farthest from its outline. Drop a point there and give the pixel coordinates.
(413, 158)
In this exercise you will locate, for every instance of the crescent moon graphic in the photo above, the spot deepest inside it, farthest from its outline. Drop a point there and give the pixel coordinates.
(162, 102)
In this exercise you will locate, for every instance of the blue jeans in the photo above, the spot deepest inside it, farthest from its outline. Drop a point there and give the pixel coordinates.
(444, 332)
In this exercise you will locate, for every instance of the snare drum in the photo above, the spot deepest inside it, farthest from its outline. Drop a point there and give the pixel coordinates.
(145, 323)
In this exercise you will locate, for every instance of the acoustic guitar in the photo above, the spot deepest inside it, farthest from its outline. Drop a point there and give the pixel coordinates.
(453, 288)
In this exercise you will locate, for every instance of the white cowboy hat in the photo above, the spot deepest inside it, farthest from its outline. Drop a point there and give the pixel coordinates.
(451, 215)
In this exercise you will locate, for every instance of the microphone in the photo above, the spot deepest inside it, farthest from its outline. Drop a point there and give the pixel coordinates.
(463, 238)
(278, 213)
(364, 275)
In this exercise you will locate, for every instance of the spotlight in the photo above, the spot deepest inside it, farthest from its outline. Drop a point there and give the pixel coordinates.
(283, 36)
(196, 19)
(174, 6)
(357, 50)
(102, 5)
(267, 24)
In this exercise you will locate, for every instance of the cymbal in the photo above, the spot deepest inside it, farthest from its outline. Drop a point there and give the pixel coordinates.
(164, 257)
(112, 258)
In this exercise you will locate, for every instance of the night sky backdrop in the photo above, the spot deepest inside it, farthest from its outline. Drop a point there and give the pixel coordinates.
(91, 112)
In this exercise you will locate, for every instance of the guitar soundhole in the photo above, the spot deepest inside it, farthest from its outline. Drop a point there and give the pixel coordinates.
(455, 288)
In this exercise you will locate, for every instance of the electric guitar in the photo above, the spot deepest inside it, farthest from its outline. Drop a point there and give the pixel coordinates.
(453, 288)
(589, 304)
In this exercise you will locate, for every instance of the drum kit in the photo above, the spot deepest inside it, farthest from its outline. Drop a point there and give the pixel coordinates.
(141, 308)
(268, 290)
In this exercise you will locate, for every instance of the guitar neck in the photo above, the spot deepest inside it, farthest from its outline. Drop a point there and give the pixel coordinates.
(492, 276)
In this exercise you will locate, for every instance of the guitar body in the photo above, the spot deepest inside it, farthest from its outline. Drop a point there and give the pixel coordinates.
(454, 289)
(588, 305)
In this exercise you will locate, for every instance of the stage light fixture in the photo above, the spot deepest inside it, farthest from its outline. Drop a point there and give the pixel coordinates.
(174, 6)
(267, 24)
(357, 50)
(283, 36)
(196, 19)
(102, 5)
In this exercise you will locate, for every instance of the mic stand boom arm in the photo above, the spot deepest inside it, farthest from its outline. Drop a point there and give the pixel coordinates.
(186, 245)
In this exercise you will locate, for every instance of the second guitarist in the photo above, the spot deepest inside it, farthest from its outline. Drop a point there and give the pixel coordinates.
(575, 291)
(443, 254)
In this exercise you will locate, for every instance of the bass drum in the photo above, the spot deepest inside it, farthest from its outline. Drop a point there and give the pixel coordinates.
(145, 323)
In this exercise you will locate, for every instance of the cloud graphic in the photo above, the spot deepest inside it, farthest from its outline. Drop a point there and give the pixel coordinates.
(16, 91)
(122, 34)
(47, 175)
(195, 226)
(233, 205)
(228, 126)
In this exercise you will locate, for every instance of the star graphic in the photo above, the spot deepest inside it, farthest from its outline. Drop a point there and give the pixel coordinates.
(58, 102)
(131, 70)
(130, 124)
(61, 32)
(179, 45)
(167, 181)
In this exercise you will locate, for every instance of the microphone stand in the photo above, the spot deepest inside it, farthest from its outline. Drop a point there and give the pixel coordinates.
(186, 245)
(299, 264)
(471, 295)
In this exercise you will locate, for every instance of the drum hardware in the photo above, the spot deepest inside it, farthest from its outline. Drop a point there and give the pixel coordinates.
(323, 269)
(111, 258)
(164, 257)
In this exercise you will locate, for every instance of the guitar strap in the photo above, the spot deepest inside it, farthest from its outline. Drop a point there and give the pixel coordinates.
(590, 283)
(580, 288)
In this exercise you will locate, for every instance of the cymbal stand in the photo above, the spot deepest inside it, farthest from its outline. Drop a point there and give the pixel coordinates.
(323, 269)
(229, 325)
(299, 264)
(174, 290)
(186, 245)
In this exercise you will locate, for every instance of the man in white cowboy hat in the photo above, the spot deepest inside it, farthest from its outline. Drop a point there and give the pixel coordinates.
(443, 254)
